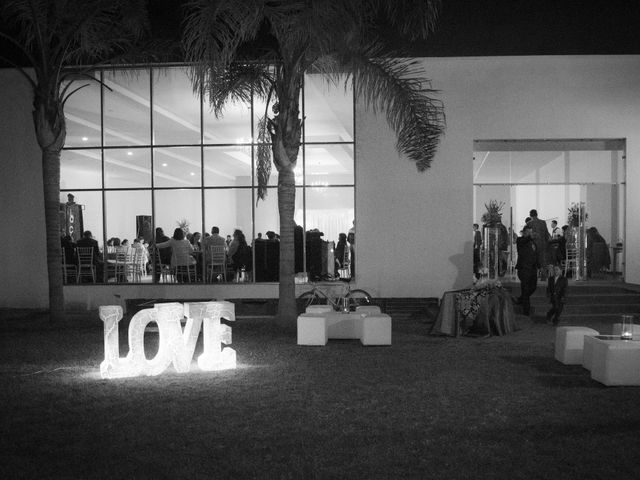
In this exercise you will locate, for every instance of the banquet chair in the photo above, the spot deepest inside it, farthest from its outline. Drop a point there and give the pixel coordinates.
(216, 262)
(137, 264)
(162, 270)
(68, 269)
(570, 263)
(86, 267)
(122, 262)
(184, 268)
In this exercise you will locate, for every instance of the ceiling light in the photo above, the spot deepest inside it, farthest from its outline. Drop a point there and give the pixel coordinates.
(164, 164)
(84, 139)
(192, 174)
(129, 153)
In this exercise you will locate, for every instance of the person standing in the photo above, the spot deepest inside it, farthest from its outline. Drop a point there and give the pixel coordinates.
(527, 267)
(540, 236)
(556, 290)
(477, 246)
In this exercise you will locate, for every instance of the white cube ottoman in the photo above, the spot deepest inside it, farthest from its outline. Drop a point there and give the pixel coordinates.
(319, 309)
(587, 350)
(368, 309)
(376, 330)
(616, 362)
(570, 342)
(312, 329)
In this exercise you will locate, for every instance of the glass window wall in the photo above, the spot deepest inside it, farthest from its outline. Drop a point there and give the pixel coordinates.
(144, 151)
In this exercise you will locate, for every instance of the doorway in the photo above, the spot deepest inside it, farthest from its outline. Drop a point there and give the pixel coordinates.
(579, 183)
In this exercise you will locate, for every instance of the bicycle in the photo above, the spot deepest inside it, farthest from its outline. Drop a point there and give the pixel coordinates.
(346, 300)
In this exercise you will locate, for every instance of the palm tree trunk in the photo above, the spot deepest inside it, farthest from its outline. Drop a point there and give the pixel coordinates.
(51, 133)
(51, 180)
(287, 312)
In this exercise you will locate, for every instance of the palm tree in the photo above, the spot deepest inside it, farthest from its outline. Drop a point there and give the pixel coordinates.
(55, 41)
(263, 48)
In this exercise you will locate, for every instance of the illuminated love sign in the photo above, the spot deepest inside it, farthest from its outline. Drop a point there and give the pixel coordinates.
(176, 345)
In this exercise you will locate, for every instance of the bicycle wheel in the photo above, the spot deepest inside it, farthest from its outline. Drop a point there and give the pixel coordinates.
(358, 298)
(309, 298)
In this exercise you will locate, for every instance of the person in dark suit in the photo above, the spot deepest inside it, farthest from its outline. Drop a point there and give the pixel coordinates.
(477, 246)
(87, 240)
(541, 237)
(556, 290)
(527, 267)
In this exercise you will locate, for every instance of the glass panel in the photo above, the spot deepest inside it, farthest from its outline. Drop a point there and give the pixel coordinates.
(227, 166)
(330, 210)
(233, 127)
(328, 110)
(127, 168)
(266, 212)
(177, 167)
(80, 169)
(177, 208)
(122, 209)
(90, 204)
(273, 177)
(82, 114)
(329, 165)
(545, 167)
(126, 108)
(228, 209)
(176, 109)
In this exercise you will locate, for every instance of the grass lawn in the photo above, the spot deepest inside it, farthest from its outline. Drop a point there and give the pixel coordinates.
(425, 407)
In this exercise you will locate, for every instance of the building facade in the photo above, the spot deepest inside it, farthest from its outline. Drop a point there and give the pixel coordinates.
(413, 229)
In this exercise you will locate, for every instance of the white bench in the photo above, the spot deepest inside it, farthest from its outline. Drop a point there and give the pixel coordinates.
(569, 344)
(369, 326)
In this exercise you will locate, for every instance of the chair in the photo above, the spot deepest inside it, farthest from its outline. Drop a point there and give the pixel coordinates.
(68, 269)
(86, 267)
(184, 267)
(163, 270)
(216, 262)
(136, 265)
(122, 263)
(571, 259)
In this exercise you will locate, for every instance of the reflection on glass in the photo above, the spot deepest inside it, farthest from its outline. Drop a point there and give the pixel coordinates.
(82, 114)
(227, 166)
(328, 110)
(80, 169)
(126, 108)
(176, 109)
(178, 208)
(232, 127)
(127, 168)
(328, 165)
(177, 167)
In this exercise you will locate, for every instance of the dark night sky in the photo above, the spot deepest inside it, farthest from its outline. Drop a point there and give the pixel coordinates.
(501, 27)
(535, 27)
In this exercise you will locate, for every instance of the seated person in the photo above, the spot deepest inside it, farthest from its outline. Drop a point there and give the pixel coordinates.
(181, 252)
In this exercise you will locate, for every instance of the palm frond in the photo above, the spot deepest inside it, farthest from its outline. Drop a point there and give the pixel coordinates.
(399, 88)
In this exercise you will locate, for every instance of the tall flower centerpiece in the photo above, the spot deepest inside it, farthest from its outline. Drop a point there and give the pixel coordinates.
(491, 239)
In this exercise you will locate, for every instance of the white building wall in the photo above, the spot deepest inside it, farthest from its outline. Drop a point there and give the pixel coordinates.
(413, 230)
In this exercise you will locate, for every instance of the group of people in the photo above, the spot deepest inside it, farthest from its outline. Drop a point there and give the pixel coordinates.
(531, 247)
(183, 249)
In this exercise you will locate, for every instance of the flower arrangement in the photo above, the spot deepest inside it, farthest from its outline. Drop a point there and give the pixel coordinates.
(493, 215)
(184, 225)
(487, 284)
(577, 214)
